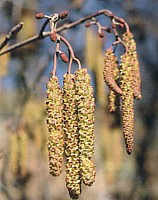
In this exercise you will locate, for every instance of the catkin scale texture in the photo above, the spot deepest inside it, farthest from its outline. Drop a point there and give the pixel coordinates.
(73, 182)
(54, 121)
(112, 94)
(132, 53)
(13, 153)
(127, 102)
(88, 171)
(85, 107)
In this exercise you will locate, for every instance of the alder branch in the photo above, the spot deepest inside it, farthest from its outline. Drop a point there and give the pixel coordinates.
(11, 34)
(40, 36)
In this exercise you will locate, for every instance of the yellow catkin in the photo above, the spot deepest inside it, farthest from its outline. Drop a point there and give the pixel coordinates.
(54, 105)
(111, 101)
(127, 101)
(86, 107)
(88, 171)
(73, 181)
(112, 95)
(13, 153)
(128, 39)
(23, 149)
(110, 63)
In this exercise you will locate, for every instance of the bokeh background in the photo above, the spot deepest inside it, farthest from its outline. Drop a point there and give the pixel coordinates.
(23, 77)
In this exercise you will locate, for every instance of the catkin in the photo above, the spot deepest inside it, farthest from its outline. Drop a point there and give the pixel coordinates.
(88, 171)
(86, 107)
(23, 149)
(54, 105)
(127, 101)
(110, 63)
(73, 182)
(111, 101)
(128, 39)
(112, 95)
(13, 153)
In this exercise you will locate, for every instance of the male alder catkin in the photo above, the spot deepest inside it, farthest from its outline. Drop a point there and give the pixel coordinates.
(73, 180)
(54, 105)
(85, 109)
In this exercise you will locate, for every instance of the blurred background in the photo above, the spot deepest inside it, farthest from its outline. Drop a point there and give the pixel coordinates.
(23, 77)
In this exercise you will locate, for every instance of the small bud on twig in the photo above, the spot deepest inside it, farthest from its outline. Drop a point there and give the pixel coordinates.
(64, 57)
(53, 36)
(63, 14)
(39, 15)
(16, 28)
(88, 24)
(101, 34)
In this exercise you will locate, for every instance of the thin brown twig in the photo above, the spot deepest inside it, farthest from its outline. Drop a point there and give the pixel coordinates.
(55, 64)
(72, 55)
(10, 35)
(65, 27)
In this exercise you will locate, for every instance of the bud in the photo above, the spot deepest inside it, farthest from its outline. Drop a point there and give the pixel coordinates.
(63, 14)
(53, 36)
(64, 57)
(39, 15)
(101, 34)
(88, 24)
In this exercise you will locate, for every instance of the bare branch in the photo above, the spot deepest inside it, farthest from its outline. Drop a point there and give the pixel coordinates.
(11, 34)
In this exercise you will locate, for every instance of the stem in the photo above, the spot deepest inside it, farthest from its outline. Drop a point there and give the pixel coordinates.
(55, 64)
(78, 62)
(70, 64)
(72, 56)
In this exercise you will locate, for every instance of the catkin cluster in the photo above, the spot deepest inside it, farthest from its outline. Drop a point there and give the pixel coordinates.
(70, 124)
(124, 81)
(54, 122)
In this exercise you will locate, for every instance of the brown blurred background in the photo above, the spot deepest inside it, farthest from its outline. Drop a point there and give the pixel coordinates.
(23, 76)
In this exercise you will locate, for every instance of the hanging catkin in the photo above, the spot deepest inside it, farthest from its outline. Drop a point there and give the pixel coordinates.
(13, 153)
(73, 181)
(111, 101)
(88, 171)
(112, 94)
(110, 63)
(86, 107)
(127, 101)
(54, 105)
(23, 151)
(128, 39)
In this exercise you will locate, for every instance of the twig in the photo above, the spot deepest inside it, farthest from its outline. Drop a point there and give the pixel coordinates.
(11, 34)
(72, 56)
(65, 27)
